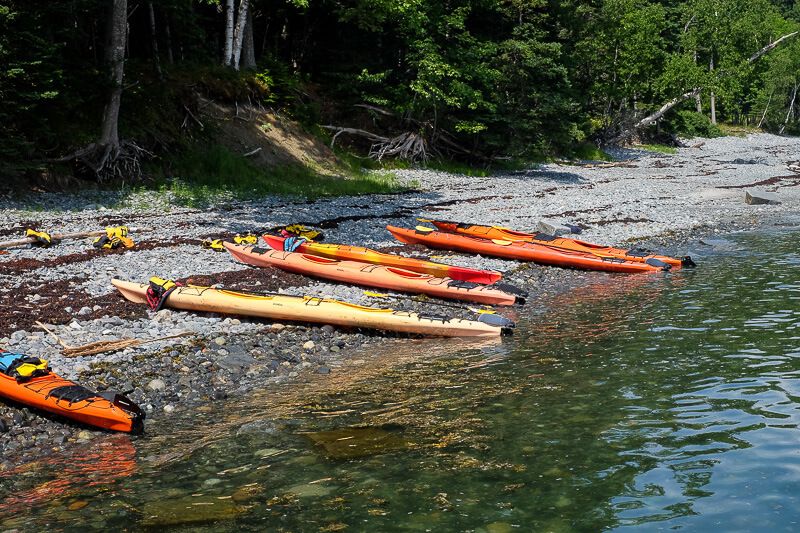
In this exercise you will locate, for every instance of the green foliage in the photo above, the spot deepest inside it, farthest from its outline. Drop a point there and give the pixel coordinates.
(689, 123)
(477, 79)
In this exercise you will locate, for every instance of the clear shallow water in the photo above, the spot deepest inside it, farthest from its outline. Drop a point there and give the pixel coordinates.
(650, 402)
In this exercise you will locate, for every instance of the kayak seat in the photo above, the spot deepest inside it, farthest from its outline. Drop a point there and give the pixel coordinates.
(406, 273)
(319, 259)
(639, 252)
(462, 284)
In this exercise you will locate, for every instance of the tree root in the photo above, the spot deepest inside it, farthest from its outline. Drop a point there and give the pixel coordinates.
(110, 162)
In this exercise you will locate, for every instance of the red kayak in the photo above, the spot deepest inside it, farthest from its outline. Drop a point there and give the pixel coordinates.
(365, 255)
(522, 251)
(370, 275)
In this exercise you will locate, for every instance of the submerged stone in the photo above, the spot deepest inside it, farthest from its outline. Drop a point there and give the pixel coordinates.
(346, 443)
(188, 511)
(310, 490)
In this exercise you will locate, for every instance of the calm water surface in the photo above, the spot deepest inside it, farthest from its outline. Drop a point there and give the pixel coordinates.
(649, 402)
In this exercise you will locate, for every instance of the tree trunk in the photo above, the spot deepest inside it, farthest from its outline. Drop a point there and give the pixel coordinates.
(766, 108)
(249, 46)
(115, 59)
(227, 53)
(154, 39)
(698, 100)
(168, 36)
(791, 108)
(238, 33)
(713, 102)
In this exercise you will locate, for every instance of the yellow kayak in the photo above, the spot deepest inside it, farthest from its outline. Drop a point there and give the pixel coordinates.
(319, 310)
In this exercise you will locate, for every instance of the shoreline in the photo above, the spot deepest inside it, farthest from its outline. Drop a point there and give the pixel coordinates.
(653, 199)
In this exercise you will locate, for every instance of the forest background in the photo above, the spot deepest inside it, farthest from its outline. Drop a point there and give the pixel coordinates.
(108, 90)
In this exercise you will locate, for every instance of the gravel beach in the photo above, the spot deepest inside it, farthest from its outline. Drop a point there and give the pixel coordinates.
(676, 202)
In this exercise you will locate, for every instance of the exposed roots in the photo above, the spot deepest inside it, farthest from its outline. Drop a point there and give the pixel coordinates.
(111, 162)
(409, 146)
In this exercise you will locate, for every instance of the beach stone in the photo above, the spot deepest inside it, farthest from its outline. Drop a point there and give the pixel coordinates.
(157, 385)
(169, 408)
(85, 311)
(236, 360)
(220, 341)
(761, 198)
(553, 228)
(309, 345)
(323, 370)
(277, 327)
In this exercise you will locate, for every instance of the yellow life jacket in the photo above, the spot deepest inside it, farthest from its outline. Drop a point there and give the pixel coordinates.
(114, 238)
(43, 238)
(215, 245)
(249, 238)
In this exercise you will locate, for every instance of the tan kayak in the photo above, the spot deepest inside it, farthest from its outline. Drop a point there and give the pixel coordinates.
(319, 310)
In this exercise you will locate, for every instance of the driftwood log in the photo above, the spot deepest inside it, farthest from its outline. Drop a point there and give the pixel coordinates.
(62, 237)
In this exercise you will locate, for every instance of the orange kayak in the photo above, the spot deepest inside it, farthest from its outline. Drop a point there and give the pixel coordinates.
(523, 251)
(319, 310)
(370, 275)
(365, 255)
(52, 393)
(561, 243)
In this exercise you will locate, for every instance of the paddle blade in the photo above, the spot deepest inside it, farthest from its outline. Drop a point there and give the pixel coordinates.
(496, 320)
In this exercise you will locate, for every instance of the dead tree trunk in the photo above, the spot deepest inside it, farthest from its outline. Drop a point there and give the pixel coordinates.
(228, 52)
(238, 34)
(249, 47)
(154, 40)
(791, 109)
(115, 59)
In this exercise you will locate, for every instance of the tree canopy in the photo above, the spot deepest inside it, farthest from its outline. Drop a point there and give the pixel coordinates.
(472, 79)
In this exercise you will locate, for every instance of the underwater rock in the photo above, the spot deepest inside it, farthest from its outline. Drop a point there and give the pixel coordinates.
(347, 443)
(188, 511)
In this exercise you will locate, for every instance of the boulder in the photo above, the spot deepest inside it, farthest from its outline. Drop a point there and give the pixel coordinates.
(761, 197)
(553, 228)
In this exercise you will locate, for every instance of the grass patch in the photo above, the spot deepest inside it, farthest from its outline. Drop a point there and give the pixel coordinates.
(658, 148)
(589, 152)
(201, 174)
(738, 130)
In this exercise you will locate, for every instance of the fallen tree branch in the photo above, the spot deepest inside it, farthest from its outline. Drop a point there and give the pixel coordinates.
(375, 109)
(94, 348)
(354, 131)
(253, 152)
(771, 46)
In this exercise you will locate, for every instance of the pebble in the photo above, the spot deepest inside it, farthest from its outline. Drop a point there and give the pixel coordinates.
(309, 345)
(157, 385)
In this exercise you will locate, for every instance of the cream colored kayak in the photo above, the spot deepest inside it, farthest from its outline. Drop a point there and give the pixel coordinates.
(319, 310)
